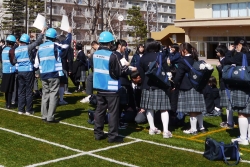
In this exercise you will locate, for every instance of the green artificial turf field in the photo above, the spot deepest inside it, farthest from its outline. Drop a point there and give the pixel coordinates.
(28, 141)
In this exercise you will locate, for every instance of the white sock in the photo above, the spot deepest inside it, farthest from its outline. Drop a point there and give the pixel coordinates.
(248, 128)
(61, 92)
(243, 126)
(150, 117)
(165, 120)
(216, 108)
(230, 117)
(193, 123)
(200, 120)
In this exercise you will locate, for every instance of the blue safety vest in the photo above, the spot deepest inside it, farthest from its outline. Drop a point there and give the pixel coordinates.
(48, 62)
(23, 61)
(7, 66)
(101, 77)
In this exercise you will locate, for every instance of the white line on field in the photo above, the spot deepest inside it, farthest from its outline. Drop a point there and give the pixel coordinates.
(146, 141)
(90, 153)
(41, 140)
(72, 149)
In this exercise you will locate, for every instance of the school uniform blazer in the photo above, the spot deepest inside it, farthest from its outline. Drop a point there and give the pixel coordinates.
(135, 62)
(174, 58)
(148, 83)
(219, 69)
(124, 80)
(236, 58)
(181, 80)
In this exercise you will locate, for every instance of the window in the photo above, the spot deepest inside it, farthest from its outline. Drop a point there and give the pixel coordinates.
(231, 10)
(220, 10)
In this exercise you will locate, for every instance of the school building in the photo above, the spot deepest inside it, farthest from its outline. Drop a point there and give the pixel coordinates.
(207, 23)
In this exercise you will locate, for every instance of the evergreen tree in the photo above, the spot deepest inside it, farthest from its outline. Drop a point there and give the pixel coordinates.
(13, 19)
(135, 19)
(35, 7)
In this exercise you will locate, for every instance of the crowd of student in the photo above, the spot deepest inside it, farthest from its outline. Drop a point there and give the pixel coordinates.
(123, 89)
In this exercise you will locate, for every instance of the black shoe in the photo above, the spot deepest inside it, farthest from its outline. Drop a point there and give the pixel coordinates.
(53, 121)
(116, 140)
(202, 130)
(101, 137)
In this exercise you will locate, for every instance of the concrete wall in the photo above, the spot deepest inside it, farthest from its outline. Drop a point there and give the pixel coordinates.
(184, 9)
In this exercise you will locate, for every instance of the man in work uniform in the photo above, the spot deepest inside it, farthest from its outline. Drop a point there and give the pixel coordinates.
(49, 62)
(107, 90)
(25, 73)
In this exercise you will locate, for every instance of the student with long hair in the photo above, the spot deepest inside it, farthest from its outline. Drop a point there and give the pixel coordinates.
(221, 51)
(135, 61)
(189, 101)
(239, 95)
(154, 97)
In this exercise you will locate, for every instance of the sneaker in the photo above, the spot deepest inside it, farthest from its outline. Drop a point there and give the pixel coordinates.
(241, 141)
(154, 131)
(85, 100)
(19, 112)
(202, 130)
(67, 93)
(29, 113)
(226, 125)
(191, 132)
(167, 134)
(63, 102)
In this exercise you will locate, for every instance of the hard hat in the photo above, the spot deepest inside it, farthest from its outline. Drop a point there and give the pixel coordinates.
(51, 33)
(11, 38)
(25, 38)
(105, 37)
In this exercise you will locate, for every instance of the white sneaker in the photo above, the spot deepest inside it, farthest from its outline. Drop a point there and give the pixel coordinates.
(63, 102)
(67, 93)
(154, 131)
(85, 100)
(241, 141)
(191, 132)
(19, 112)
(29, 113)
(167, 134)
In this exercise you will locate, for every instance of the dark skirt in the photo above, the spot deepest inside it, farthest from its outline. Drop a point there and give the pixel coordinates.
(240, 101)
(224, 101)
(155, 99)
(8, 82)
(191, 101)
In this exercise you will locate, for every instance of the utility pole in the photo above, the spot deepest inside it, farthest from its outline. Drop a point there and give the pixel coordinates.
(26, 16)
(147, 21)
(50, 13)
(102, 15)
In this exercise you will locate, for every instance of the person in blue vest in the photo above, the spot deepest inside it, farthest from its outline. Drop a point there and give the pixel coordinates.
(8, 69)
(49, 62)
(106, 81)
(26, 73)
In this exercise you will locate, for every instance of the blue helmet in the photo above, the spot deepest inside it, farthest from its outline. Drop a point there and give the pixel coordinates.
(11, 38)
(105, 37)
(25, 38)
(51, 33)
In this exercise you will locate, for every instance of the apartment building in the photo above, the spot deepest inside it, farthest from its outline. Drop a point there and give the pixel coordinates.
(161, 14)
(208, 23)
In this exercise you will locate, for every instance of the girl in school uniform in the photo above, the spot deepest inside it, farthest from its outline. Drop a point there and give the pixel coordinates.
(221, 51)
(154, 97)
(189, 101)
(239, 95)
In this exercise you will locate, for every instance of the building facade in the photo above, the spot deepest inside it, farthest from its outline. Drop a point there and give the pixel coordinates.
(208, 23)
(161, 13)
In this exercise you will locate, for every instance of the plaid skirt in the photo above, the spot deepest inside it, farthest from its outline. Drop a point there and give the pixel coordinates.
(240, 101)
(191, 101)
(155, 99)
(224, 101)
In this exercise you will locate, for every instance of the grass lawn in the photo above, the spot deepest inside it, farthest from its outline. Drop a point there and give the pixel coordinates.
(28, 141)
